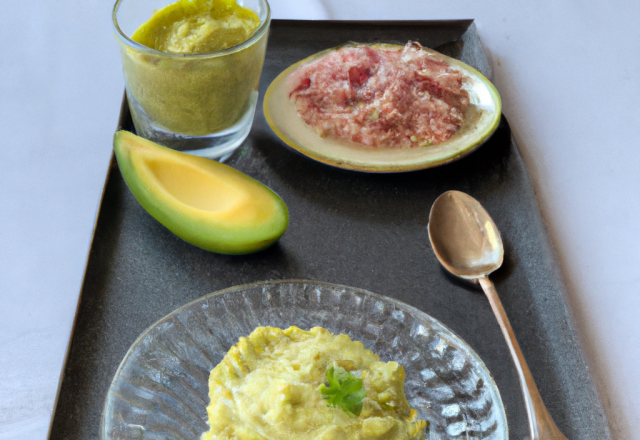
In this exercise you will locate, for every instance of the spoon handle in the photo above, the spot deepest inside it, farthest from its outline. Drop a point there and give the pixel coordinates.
(541, 424)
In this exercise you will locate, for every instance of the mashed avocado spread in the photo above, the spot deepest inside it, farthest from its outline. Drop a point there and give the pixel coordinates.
(204, 93)
(197, 26)
(268, 385)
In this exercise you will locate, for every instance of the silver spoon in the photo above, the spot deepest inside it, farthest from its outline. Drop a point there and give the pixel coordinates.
(468, 244)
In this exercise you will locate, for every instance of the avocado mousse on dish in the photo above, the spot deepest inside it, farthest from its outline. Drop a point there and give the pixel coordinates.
(301, 385)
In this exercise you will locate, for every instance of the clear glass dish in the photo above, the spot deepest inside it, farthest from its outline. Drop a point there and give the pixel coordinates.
(160, 390)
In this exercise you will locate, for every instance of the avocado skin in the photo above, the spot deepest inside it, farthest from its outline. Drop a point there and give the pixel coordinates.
(215, 235)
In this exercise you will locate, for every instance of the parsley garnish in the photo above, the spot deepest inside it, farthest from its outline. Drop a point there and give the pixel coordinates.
(344, 391)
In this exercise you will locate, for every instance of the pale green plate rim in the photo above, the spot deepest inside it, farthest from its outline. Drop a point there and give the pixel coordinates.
(476, 138)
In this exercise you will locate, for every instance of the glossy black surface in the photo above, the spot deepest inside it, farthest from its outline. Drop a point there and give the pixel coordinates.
(362, 230)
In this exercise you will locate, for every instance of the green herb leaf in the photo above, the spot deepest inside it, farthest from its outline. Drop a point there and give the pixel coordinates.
(344, 390)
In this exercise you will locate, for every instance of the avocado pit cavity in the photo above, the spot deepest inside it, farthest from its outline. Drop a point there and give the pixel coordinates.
(194, 187)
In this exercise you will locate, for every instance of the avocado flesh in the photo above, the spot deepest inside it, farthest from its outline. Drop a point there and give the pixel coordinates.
(204, 202)
(197, 26)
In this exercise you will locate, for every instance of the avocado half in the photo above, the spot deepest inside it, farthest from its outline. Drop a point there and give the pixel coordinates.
(204, 202)
(481, 120)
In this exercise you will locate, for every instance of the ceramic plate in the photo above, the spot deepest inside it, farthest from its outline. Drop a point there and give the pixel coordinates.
(160, 390)
(481, 120)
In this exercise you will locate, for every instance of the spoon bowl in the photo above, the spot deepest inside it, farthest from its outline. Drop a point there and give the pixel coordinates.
(467, 243)
(464, 237)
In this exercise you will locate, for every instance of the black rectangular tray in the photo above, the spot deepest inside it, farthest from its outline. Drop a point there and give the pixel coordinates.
(356, 229)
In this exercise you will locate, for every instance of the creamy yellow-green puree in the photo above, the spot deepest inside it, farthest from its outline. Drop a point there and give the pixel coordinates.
(197, 26)
(266, 388)
(202, 94)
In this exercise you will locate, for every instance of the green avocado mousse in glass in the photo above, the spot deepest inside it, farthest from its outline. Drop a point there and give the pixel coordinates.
(192, 69)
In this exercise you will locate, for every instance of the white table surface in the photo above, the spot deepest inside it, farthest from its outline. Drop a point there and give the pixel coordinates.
(568, 75)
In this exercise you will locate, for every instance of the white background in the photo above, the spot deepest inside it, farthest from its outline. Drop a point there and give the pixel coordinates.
(568, 75)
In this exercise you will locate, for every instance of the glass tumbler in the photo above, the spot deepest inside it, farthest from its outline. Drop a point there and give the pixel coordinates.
(200, 103)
